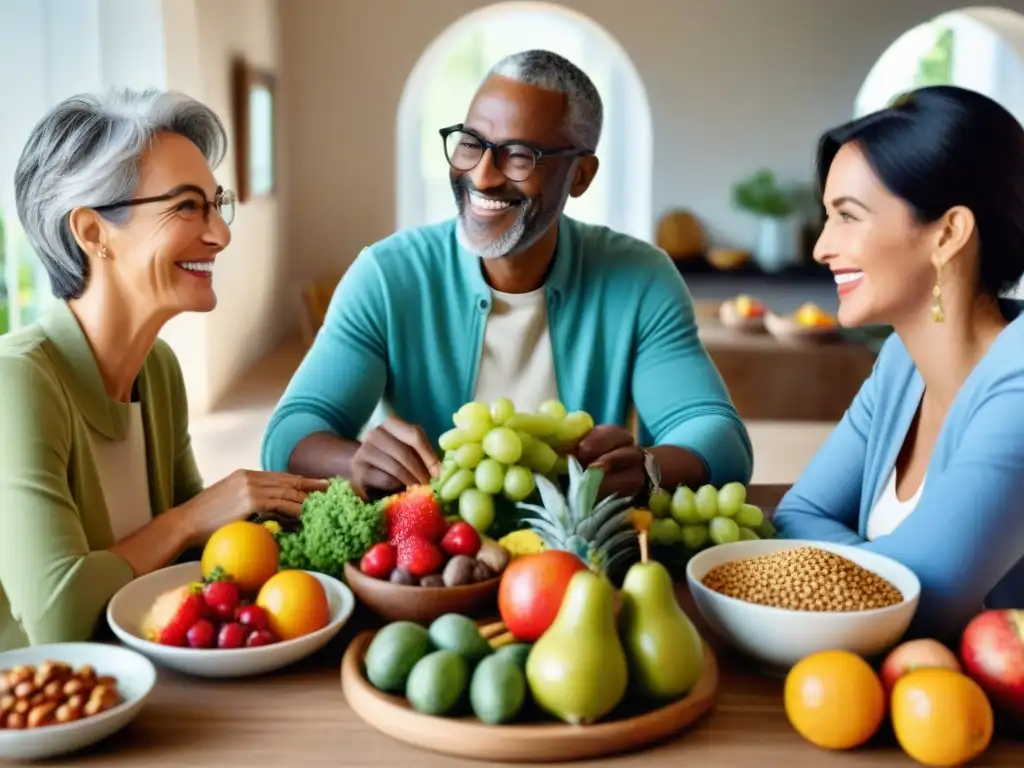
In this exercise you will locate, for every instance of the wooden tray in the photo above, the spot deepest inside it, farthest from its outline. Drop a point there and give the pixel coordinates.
(541, 742)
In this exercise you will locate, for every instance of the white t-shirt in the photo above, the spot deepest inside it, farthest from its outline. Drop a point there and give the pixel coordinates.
(889, 511)
(516, 360)
(124, 477)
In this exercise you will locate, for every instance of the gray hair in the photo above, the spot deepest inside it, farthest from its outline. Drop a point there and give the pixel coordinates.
(85, 153)
(551, 72)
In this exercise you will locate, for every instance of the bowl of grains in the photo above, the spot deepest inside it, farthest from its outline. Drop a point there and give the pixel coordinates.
(778, 600)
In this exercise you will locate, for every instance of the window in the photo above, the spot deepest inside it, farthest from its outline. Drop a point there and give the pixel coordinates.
(442, 85)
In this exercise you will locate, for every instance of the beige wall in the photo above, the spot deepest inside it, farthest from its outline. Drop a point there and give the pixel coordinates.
(253, 312)
(733, 85)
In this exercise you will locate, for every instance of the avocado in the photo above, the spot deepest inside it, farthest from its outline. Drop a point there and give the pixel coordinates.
(498, 690)
(393, 652)
(437, 682)
(454, 632)
(516, 653)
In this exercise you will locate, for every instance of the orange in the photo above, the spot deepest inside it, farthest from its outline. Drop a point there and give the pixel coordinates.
(834, 699)
(941, 717)
(295, 604)
(246, 552)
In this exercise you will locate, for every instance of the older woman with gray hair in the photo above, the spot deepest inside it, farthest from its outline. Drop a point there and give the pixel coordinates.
(98, 483)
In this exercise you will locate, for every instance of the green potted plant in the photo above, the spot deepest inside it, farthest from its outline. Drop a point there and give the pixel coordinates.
(777, 210)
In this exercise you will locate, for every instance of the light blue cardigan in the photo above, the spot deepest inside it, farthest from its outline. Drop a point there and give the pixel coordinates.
(965, 538)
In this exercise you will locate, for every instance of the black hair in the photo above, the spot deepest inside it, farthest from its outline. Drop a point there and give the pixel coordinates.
(943, 146)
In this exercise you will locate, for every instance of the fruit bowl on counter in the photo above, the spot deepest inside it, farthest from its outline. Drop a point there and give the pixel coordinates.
(751, 593)
(810, 324)
(744, 314)
(166, 616)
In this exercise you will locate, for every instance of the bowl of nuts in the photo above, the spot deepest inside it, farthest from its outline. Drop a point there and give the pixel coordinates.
(778, 600)
(62, 697)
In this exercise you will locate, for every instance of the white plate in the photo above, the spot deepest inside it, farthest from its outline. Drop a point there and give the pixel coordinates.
(129, 606)
(135, 675)
(779, 637)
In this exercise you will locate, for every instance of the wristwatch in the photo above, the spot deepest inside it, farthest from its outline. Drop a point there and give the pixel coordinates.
(653, 473)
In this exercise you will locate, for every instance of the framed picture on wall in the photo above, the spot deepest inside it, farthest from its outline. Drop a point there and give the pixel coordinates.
(255, 114)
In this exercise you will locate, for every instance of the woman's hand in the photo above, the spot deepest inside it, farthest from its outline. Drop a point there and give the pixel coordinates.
(243, 493)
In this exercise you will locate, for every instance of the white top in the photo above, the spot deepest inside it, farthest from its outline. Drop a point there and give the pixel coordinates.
(889, 511)
(516, 360)
(124, 477)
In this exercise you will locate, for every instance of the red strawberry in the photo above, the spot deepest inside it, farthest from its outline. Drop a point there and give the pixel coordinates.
(461, 539)
(260, 637)
(418, 556)
(232, 635)
(201, 634)
(172, 615)
(253, 617)
(415, 512)
(222, 597)
(379, 561)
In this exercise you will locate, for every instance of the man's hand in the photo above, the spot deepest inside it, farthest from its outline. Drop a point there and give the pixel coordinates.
(614, 450)
(392, 456)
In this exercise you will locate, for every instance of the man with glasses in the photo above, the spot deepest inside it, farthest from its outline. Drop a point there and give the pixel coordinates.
(514, 299)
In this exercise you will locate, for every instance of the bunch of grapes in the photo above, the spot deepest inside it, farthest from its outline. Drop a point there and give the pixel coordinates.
(709, 516)
(494, 451)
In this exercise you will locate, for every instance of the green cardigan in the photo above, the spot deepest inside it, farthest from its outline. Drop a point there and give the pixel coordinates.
(56, 573)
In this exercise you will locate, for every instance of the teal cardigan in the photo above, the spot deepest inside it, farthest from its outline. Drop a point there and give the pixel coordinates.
(406, 323)
(965, 538)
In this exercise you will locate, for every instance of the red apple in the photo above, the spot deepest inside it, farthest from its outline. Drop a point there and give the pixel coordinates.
(531, 591)
(992, 651)
(916, 654)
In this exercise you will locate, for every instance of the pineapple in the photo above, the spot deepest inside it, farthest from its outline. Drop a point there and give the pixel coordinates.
(599, 533)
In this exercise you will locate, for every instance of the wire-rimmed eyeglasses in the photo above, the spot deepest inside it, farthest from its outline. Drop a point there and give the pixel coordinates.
(194, 203)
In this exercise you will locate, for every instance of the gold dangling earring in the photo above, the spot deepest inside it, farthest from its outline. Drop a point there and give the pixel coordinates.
(102, 252)
(938, 313)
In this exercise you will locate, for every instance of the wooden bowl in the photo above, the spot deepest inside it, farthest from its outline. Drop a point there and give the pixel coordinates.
(398, 602)
(786, 330)
(731, 319)
(543, 741)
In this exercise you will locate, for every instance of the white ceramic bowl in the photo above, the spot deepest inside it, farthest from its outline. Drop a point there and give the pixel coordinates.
(135, 675)
(129, 606)
(779, 637)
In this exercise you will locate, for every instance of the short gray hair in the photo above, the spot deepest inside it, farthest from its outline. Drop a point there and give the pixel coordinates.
(551, 72)
(85, 153)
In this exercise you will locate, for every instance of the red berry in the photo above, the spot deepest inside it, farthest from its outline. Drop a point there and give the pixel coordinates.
(253, 617)
(461, 539)
(232, 635)
(221, 597)
(260, 637)
(379, 561)
(201, 634)
(418, 556)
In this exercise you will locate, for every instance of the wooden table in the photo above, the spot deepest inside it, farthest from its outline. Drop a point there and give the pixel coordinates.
(299, 717)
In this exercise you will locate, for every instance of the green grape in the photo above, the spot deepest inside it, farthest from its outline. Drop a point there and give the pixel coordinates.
(683, 507)
(469, 455)
(706, 501)
(723, 530)
(448, 468)
(552, 408)
(474, 419)
(503, 444)
(665, 531)
(490, 476)
(448, 456)
(749, 516)
(765, 530)
(748, 535)
(456, 484)
(659, 503)
(454, 439)
(731, 497)
(694, 536)
(537, 455)
(519, 483)
(502, 410)
(532, 424)
(477, 509)
(561, 466)
(573, 428)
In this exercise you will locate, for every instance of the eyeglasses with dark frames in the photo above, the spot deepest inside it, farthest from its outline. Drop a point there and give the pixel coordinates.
(223, 202)
(464, 148)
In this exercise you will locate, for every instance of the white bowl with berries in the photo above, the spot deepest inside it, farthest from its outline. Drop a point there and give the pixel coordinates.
(213, 628)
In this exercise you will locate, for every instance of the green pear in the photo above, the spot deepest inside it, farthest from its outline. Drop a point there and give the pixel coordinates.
(663, 648)
(577, 669)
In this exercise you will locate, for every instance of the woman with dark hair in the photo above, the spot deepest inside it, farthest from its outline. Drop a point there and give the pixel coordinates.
(925, 232)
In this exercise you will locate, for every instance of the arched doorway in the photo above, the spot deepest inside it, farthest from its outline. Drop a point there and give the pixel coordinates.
(981, 48)
(442, 83)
